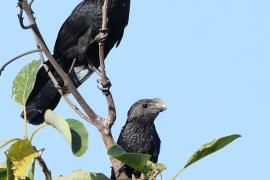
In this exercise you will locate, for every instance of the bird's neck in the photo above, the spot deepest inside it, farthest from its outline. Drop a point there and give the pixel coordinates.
(141, 128)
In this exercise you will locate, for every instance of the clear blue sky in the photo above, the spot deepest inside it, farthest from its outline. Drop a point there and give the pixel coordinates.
(209, 60)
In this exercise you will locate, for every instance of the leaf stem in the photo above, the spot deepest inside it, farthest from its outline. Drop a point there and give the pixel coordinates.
(178, 173)
(25, 123)
(7, 142)
(36, 130)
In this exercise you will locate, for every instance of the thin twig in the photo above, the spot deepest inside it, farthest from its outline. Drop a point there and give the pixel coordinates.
(18, 57)
(104, 80)
(36, 130)
(7, 142)
(44, 168)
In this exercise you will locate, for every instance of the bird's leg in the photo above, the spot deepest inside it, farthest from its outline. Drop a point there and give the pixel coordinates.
(102, 36)
(103, 85)
(84, 42)
(91, 66)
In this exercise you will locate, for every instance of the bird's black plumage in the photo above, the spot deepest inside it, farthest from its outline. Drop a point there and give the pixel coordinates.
(76, 40)
(139, 134)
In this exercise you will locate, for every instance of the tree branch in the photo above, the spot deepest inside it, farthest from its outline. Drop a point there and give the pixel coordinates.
(103, 124)
(93, 117)
(18, 57)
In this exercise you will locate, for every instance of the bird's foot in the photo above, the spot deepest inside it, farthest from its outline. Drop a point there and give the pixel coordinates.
(102, 36)
(64, 88)
(104, 86)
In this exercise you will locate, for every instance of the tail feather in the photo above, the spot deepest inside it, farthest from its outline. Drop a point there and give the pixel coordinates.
(45, 96)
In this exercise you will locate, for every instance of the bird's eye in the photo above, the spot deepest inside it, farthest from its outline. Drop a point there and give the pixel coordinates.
(145, 105)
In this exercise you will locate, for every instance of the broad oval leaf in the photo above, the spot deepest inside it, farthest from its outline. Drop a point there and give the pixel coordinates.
(21, 155)
(135, 160)
(79, 137)
(59, 123)
(211, 147)
(72, 130)
(24, 82)
(82, 175)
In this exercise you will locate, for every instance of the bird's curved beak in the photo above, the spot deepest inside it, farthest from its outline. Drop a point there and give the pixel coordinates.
(160, 104)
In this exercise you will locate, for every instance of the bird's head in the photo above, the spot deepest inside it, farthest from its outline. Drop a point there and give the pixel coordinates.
(145, 111)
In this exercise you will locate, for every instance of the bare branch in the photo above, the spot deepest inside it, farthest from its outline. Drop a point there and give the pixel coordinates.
(109, 121)
(18, 57)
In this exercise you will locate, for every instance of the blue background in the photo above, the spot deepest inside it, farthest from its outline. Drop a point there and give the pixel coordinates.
(209, 60)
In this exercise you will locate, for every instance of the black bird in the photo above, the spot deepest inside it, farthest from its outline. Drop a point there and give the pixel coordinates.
(139, 134)
(77, 42)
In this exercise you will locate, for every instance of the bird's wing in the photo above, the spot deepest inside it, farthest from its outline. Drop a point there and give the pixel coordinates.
(120, 37)
(74, 27)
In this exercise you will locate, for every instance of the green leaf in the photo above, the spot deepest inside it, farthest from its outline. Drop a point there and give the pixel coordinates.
(98, 176)
(73, 131)
(81, 175)
(79, 137)
(21, 155)
(160, 166)
(3, 171)
(24, 82)
(210, 148)
(10, 175)
(59, 123)
(134, 160)
(31, 173)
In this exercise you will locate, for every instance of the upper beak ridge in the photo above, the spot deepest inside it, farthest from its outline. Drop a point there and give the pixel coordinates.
(161, 104)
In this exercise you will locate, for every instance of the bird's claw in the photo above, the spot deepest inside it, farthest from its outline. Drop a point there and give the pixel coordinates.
(64, 88)
(104, 86)
(102, 36)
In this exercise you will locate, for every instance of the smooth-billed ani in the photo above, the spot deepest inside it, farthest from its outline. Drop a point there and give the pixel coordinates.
(77, 42)
(139, 134)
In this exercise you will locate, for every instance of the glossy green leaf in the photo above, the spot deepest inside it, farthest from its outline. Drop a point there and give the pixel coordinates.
(24, 82)
(210, 148)
(21, 155)
(81, 175)
(59, 123)
(134, 160)
(79, 137)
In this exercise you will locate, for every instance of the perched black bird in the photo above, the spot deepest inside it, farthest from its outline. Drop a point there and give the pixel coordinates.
(139, 134)
(76, 42)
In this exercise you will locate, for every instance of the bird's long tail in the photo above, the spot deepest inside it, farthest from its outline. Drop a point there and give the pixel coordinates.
(45, 95)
